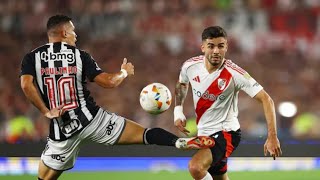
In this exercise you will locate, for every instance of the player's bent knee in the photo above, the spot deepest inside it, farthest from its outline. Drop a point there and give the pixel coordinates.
(196, 169)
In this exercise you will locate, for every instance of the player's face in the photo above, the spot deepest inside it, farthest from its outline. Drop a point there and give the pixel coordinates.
(215, 50)
(70, 35)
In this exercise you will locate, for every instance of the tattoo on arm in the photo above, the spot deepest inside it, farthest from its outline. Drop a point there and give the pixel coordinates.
(181, 93)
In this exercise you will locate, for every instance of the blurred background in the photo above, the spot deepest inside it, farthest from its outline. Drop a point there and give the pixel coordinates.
(276, 41)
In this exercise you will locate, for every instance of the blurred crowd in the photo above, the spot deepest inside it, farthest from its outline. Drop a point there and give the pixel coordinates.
(276, 41)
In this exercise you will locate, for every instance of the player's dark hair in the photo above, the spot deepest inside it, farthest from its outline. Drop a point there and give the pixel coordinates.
(213, 32)
(57, 20)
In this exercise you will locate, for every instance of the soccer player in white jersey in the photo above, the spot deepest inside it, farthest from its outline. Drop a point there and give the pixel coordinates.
(54, 78)
(216, 82)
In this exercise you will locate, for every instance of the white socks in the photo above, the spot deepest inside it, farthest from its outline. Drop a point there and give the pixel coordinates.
(207, 177)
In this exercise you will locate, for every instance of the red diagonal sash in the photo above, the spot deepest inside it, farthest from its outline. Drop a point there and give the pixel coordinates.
(205, 103)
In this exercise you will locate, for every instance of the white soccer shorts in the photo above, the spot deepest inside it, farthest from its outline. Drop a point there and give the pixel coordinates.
(106, 128)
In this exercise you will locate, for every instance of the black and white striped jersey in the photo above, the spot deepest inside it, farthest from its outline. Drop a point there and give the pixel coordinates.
(60, 72)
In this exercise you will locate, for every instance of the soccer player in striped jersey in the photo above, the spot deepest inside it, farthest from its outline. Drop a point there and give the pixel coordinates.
(216, 82)
(53, 78)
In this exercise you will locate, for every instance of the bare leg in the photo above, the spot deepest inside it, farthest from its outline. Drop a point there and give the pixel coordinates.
(136, 134)
(47, 173)
(132, 134)
(200, 163)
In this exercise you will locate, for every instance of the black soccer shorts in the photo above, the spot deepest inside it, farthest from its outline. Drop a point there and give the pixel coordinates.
(225, 144)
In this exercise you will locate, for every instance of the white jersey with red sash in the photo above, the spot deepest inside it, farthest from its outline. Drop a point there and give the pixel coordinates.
(215, 95)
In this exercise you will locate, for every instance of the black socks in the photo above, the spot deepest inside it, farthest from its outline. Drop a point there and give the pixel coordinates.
(159, 136)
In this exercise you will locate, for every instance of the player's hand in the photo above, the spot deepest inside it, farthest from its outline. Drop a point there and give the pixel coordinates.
(272, 146)
(180, 119)
(128, 67)
(180, 124)
(55, 112)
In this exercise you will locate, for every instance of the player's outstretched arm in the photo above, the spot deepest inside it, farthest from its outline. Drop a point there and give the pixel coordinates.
(33, 96)
(179, 118)
(272, 144)
(109, 80)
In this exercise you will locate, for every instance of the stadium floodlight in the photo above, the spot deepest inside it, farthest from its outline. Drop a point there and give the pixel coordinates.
(287, 109)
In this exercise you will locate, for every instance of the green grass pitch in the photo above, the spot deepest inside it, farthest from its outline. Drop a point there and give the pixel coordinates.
(180, 175)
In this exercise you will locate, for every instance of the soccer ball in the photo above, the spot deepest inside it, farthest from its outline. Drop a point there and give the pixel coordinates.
(155, 98)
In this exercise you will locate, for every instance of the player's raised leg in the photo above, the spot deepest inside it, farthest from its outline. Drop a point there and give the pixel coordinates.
(134, 133)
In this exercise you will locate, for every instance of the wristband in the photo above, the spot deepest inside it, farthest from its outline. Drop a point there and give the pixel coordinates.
(124, 73)
(178, 113)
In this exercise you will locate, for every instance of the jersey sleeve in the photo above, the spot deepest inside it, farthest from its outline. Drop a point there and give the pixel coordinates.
(28, 66)
(90, 67)
(243, 81)
(183, 77)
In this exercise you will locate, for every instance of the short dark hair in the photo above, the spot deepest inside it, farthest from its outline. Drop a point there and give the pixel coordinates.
(57, 20)
(213, 32)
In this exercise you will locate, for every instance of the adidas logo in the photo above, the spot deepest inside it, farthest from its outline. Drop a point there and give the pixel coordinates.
(196, 79)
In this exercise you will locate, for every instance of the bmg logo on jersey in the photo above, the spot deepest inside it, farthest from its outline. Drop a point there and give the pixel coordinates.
(50, 56)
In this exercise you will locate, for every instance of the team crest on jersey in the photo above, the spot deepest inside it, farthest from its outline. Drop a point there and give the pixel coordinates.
(71, 126)
(222, 83)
